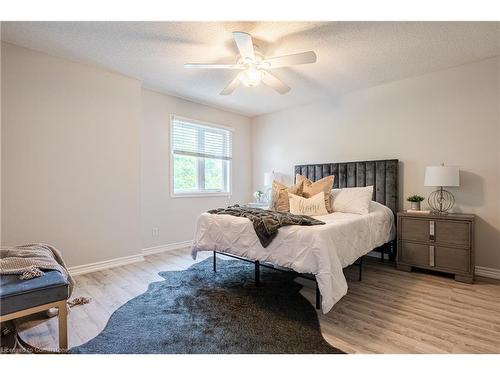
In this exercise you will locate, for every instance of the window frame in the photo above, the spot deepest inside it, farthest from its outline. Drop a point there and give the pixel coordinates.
(199, 193)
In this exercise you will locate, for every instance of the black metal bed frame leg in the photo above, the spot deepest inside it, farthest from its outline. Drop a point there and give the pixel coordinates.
(215, 261)
(257, 273)
(392, 248)
(318, 297)
(360, 268)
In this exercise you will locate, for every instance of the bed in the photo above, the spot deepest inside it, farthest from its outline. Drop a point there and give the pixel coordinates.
(322, 251)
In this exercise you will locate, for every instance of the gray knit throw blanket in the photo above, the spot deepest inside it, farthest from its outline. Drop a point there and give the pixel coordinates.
(30, 260)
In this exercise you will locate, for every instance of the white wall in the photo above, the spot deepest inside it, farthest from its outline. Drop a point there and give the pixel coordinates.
(176, 217)
(70, 157)
(451, 116)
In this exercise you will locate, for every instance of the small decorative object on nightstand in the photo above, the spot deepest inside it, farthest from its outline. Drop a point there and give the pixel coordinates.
(415, 201)
(441, 201)
(437, 242)
(259, 196)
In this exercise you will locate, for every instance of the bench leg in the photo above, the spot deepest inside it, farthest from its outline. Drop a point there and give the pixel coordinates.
(63, 325)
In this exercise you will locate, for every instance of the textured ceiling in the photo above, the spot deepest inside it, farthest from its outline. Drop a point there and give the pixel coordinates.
(351, 55)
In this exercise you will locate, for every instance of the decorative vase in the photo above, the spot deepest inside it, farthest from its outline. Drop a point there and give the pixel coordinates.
(415, 206)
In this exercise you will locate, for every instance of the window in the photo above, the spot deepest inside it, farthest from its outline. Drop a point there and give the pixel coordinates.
(201, 158)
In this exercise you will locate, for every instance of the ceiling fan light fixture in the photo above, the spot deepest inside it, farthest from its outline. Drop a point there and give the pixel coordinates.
(254, 66)
(250, 77)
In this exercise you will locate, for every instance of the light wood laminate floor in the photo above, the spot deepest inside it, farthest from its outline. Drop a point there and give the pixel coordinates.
(390, 311)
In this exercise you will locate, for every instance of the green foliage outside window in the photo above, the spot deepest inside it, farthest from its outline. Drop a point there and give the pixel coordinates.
(214, 175)
(185, 172)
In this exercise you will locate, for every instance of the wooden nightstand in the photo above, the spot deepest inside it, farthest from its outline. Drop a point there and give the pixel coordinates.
(437, 242)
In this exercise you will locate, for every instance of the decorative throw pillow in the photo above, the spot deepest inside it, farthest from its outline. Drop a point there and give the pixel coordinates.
(279, 200)
(314, 206)
(354, 200)
(312, 188)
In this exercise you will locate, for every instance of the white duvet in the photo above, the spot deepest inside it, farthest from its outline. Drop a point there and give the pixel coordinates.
(322, 250)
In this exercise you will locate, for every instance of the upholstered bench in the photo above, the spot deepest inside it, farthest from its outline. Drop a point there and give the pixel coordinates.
(25, 297)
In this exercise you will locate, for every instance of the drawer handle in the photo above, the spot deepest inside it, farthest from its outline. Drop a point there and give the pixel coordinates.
(432, 227)
(431, 256)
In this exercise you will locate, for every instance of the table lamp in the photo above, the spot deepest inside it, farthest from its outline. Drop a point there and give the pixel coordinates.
(268, 182)
(268, 179)
(441, 201)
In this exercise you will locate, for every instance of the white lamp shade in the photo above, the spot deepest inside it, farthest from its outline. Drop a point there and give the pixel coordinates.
(442, 175)
(268, 178)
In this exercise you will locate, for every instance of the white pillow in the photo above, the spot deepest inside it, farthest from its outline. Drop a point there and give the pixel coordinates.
(314, 206)
(354, 200)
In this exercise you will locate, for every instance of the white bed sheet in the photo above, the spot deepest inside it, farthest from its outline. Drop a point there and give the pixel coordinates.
(322, 250)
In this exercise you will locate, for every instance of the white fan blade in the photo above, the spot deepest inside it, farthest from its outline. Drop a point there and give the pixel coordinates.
(274, 83)
(288, 60)
(244, 44)
(231, 86)
(214, 66)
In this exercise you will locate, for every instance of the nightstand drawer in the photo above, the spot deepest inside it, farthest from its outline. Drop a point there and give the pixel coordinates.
(452, 259)
(416, 229)
(453, 232)
(413, 253)
(442, 257)
(440, 231)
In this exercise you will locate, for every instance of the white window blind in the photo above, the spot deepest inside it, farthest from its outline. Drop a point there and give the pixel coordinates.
(192, 139)
(201, 156)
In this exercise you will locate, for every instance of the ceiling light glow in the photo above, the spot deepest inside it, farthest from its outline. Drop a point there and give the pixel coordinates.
(251, 77)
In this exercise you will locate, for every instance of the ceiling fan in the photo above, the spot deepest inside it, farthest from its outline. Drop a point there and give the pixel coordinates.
(254, 66)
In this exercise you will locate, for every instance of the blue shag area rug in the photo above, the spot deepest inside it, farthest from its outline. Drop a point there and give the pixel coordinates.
(199, 311)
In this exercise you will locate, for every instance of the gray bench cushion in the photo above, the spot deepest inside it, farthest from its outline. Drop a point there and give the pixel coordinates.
(17, 295)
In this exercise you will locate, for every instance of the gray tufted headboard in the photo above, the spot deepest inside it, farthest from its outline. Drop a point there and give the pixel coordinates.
(382, 174)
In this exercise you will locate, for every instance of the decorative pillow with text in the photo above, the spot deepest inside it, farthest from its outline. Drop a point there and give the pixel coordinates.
(314, 206)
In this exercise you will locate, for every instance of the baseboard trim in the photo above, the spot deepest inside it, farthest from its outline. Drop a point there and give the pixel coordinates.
(492, 273)
(105, 264)
(167, 247)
